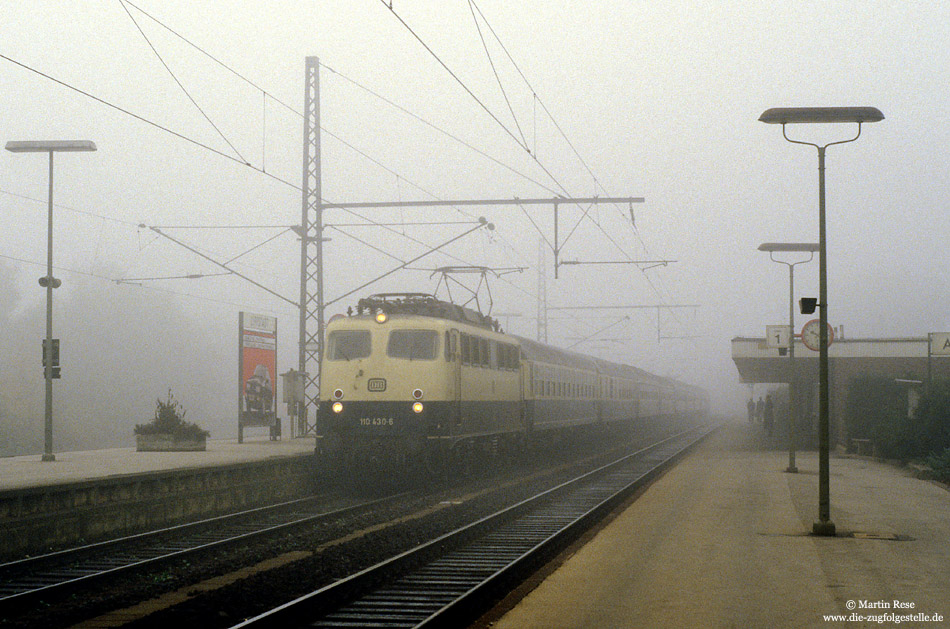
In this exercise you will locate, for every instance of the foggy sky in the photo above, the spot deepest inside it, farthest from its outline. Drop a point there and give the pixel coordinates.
(661, 100)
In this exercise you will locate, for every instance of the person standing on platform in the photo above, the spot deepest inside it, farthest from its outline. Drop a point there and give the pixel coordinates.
(759, 409)
(768, 415)
(751, 408)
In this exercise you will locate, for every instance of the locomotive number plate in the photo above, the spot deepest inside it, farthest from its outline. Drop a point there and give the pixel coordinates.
(377, 385)
(376, 421)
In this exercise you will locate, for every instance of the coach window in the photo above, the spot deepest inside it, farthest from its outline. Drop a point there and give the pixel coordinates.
(493, 358)
(413, 344)
(483, 352)
(348, 344)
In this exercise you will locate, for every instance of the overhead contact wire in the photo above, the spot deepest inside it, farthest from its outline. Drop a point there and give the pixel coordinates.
(563, 135)
(440, 130)
(491, 62)
(454, 76)
(180, 85)
(147, 121)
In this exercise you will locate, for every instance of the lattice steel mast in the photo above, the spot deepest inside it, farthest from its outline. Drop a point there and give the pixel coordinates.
(542, 297)
(310, 349)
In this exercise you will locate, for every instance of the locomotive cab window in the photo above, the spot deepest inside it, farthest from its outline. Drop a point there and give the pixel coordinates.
(413, 344)
(348, 344)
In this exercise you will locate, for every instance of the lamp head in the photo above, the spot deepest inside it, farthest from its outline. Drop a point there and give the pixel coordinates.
(808, 247)
(816, 115)
(49, 146)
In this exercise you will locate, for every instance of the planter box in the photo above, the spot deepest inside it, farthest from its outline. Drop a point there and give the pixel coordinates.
(168, 443)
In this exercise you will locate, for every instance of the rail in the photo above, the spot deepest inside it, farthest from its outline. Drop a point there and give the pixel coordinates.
(25, 579)
(452, 579)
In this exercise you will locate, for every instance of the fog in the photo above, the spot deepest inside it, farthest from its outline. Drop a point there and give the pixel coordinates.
(659, 101)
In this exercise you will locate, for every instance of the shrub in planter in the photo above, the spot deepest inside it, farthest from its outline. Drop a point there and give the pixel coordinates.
(168, 429)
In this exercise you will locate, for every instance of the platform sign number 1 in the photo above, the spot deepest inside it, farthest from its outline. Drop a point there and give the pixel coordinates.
(777, 336)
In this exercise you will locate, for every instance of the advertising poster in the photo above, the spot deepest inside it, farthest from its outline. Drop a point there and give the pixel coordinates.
(257, 368)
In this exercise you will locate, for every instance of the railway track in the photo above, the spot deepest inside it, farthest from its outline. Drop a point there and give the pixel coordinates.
(65, 571)
(451, 580)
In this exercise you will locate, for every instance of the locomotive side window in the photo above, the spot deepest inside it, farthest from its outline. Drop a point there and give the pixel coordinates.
(466, 342)
(348, 344)
(451, 345)
(509, 356)
(413, 344)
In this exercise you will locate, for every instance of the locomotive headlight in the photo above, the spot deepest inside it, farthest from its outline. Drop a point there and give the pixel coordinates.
(337, 407)
(417, 394)
(417, 407)
(382, 317)
(338, 394)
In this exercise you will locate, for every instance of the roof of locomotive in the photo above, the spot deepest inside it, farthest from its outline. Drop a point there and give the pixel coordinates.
(424, 305)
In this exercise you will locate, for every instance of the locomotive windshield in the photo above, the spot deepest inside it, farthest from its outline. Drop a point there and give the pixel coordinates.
(413, 344)
(348, 344)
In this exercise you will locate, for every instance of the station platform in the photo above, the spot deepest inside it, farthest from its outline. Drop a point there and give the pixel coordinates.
(723, 540)
(26, 471)
(92, 495)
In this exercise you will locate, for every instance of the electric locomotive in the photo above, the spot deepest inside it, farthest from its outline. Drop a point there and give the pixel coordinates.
(409, 375)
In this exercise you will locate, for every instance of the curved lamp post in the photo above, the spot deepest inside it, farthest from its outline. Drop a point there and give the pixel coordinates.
(49, 282)
(820, 115)
(803, 247)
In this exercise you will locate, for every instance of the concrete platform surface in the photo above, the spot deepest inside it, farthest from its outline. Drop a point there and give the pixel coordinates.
(722, 540)
(26, 471)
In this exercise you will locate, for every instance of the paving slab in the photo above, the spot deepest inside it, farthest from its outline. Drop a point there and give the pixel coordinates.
(723, 540)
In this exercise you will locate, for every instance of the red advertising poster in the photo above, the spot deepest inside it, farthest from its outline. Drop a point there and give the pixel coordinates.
(258, 370)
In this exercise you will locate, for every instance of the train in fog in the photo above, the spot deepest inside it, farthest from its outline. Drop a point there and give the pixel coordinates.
(408, 379)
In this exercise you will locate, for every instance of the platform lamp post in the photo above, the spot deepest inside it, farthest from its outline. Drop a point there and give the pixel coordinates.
(781, 247)
(49, 282)
(821, 115)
